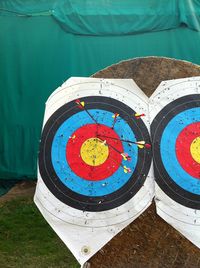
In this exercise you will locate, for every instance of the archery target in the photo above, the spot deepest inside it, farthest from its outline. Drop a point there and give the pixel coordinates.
(175, 135)
(79, 169)
(80, 177)
(93, 180)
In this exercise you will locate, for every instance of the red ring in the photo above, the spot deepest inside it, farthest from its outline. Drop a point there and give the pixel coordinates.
(85, 171)
(183, 154)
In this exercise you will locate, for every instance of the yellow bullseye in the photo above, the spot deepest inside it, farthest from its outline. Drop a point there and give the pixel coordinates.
(195, 149)
(94, 152)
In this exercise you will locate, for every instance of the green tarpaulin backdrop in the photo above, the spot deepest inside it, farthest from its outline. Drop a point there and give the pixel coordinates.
(42, 43)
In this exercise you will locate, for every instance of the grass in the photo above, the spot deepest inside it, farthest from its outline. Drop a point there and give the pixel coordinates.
(27, 241)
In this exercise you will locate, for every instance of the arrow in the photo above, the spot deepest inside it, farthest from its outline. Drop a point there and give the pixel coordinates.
(81, 105)
(115, 119)
(124, 155)
(140, 144)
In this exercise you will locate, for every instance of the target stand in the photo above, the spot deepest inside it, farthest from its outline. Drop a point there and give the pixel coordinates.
(149, 241)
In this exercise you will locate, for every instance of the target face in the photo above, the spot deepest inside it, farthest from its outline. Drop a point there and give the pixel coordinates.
(176, 150)
(81, 159)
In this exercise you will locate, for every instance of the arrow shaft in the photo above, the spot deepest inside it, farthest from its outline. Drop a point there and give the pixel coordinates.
(115, 149)
(117, 139)
(90, 116)
(115, 119)
(82, 107)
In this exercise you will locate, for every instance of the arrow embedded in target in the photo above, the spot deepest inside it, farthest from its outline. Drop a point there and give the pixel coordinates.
(81, 105)
(140, 144)
(115, 119)
(124, 155)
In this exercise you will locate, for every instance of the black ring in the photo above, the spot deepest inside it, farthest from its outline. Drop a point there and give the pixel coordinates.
(83, 202)
(158, 126)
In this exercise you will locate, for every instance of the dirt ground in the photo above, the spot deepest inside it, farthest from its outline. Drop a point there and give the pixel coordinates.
(23, 188)
(148, 242)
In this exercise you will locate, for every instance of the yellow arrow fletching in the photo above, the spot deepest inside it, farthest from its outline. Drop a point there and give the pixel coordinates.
(140, 146)
(125, 169)
(82, 103)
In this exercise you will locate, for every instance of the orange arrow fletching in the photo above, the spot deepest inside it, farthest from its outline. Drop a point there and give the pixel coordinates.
(115, 115)
(147, 145)
(139, 115)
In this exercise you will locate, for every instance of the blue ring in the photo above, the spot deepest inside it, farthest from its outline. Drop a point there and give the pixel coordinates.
(168, 150)
(76, 183)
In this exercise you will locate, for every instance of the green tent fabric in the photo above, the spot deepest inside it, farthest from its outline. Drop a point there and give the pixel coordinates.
(125, 17)
(109, 17)
(40, 49)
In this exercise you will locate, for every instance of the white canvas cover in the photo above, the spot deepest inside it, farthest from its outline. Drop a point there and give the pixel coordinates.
(86, 226)
(174, 110)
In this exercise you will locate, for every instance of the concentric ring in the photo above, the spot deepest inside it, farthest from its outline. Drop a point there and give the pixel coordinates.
(74, 151)
(171, 171)
(94, 152)
(78, 181)
(97, 196)
(195, 149)
(186, 150)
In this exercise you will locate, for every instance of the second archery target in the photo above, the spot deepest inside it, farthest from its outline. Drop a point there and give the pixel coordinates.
(176, 150)
(90, 156)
